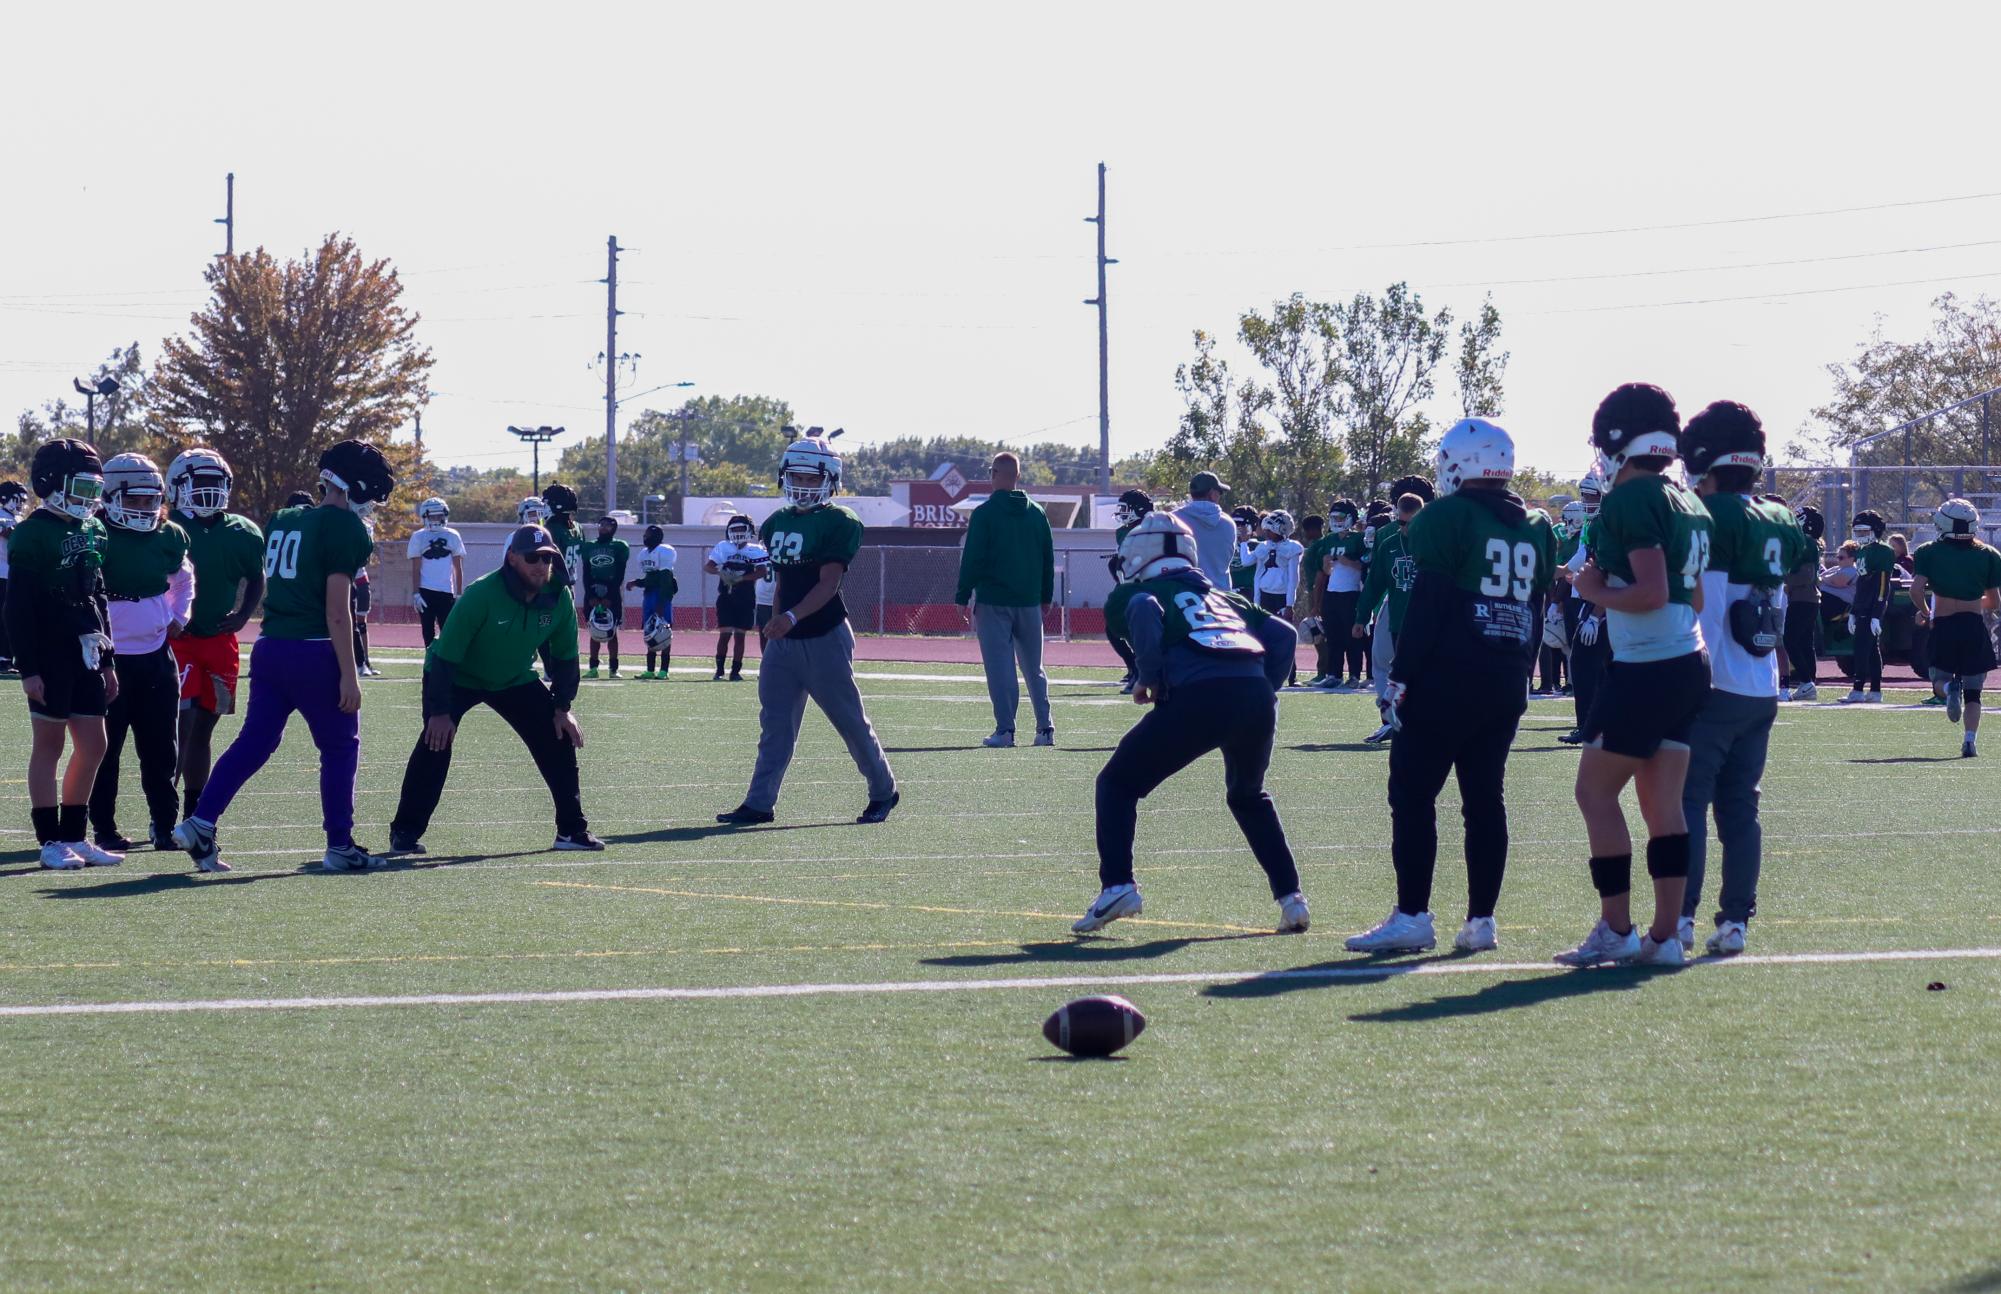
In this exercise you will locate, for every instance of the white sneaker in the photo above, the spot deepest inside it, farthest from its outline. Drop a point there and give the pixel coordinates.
(1875, 697)
(1805, 692)
(1293, 918)
(999, 740)
(350, 858)
(1111, 904)
(1855, 696)
(198, 838)
(91, 855)
(1399, 932)
(1684, 932)
(1728, 940)
(57, 857)
(1602, 948)
(1477, 936)
(1653, 954)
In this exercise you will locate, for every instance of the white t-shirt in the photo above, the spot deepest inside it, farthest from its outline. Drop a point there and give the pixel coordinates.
(1278, 568)
(1731, 668)
(660, 557)
(725, 552)
(437, 548)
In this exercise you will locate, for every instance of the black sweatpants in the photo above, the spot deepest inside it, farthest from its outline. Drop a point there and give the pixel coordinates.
(1339, 616)
(1868, 658)
(1463, 727)
(1587, 661)
(1237, 716)
(528, 709)
(6, 644)
(1125, 651)
(148, 707)
(1802, 622)
(436, 607)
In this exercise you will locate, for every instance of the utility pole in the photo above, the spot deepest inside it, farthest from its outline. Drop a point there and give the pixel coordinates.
(611, 374)
(228, 217)
(1104, 348)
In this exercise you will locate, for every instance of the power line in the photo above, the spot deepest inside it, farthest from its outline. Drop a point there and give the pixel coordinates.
(1706, 269)
(1768, 296)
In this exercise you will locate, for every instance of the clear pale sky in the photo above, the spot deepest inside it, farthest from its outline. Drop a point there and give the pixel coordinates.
(875, 211)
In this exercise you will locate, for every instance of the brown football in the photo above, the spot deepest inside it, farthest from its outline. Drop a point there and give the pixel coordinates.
(1094, 1026)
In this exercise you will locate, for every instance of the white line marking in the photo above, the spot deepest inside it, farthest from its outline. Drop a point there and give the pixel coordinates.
(937, 985)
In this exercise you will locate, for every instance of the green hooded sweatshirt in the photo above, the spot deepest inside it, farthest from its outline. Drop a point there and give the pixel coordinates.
(1009, 559)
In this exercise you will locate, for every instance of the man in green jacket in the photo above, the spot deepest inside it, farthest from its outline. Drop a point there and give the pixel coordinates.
(485, 655)
(1008, 571)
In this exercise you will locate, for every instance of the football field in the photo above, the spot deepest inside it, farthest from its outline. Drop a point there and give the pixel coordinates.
(808, 1057)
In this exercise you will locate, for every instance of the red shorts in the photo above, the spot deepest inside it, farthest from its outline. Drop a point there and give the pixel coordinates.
(208, 671)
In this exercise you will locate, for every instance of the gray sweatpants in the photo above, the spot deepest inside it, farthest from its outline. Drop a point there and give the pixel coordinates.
(1009, 635)
(822, 668)
(1382, 654)
(1726, 760)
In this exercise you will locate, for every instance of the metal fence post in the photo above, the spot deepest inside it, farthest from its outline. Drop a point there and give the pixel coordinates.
(882, 590)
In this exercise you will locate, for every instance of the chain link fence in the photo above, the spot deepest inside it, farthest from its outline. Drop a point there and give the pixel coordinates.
(893, 589)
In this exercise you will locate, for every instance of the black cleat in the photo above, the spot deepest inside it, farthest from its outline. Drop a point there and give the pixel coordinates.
(400, 845)
(580, 842)
(878, 810)
(745, 816)
(1572, 738)
(114, 841)
(736, 678)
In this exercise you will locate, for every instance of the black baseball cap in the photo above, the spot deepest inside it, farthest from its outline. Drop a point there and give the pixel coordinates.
(1205, 482)
(533, 541)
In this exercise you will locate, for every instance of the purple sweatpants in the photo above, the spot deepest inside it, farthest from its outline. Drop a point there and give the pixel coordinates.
(287, 674)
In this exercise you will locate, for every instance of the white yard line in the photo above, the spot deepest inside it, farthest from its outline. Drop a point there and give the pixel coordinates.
(739, 991)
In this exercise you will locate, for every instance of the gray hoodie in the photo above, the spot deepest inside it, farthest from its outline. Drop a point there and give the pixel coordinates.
(1215, 538)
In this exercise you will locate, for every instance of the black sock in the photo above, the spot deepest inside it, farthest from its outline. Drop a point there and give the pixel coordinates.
(650, 655)
(45, 821)
(664, 658)
(72, 822)
(722, 650)
(736, 667)
(594, 654)
(613, 661)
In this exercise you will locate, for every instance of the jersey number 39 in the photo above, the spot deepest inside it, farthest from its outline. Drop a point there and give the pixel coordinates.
(1513, 573)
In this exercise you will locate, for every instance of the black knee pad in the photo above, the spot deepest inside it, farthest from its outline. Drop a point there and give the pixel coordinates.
(1667, 856)
(1612, 874)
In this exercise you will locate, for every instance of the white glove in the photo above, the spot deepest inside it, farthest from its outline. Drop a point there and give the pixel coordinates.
(1876, 626)
(1851, 624)
(94, 646)
(1587, 630)
(417, 601)
(1393, 693)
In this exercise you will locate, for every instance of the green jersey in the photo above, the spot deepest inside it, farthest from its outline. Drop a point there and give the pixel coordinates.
(569, 539)
(55, 589)
(226, 549)
(1498, 557)
(1244, 566)
(1753, 541)
(1568, 544)
(1217, 621)
(1651, 511)
(1957, 568)
(491, 637)
(801, 541)
(303, 549)
(139, 563)
(603, 563)
(1115, 610)
(1392, 575)
(1875, 578)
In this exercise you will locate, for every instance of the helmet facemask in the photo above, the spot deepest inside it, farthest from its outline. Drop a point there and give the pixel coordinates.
(80, 496)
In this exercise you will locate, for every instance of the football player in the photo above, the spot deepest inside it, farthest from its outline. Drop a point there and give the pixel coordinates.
(560, 520)
(1584, 622)
(1803, 609)
(1343, 556)
(1244, 557)
(657, 587)
(1458, 680)
(1753, 543)
(150, 587)
(227, 551)
(486, 656)
(304, 657)
(603, 562)
(1210, 664)
(1133, 506)
(737, 563)
(437, 566)
(531, 511)
(1955, 578)
(1875, 582)
(1650, 547)
(1385, 599)
(57, 621)
(13, 502)
(1277, 579)
(809, 649)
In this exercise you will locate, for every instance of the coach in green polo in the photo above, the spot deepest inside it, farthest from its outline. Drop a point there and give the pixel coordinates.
(485, 655)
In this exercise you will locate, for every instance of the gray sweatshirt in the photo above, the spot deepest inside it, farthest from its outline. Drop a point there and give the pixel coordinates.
(1215, 538)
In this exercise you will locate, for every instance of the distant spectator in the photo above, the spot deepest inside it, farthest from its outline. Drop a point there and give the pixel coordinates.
(1215, 531)
(1007, 572)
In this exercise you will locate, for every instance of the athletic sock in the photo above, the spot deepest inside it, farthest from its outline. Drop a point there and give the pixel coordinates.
(650, 657)
(72, 821)
(722, 652)
(736, 667)
(46, 822)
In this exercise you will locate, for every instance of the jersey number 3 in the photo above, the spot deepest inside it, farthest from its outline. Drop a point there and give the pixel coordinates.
(1513, 573)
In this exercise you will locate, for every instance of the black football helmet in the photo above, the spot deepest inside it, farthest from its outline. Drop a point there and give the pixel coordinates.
(298, 499)
(1637, 420)
(1811, 521)
(654, 537)
(1872, 521)
(560, 498)
(69, 476)
(1132, 505)
(13, 498)
(1726, 434)
(360, 470)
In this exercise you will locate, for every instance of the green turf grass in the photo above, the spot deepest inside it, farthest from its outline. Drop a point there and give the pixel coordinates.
(1805, 1126)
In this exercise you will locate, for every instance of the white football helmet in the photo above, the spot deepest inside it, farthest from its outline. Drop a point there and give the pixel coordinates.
(1575, 514)
(531, 511)
(1160, 544)
(809, 473)
(658, 632)
(602, 626)
(1279, 522)
(134, 492)
(434, 513)
(739, 530)
(1474, 449)
(1955, 518)
(199, 481)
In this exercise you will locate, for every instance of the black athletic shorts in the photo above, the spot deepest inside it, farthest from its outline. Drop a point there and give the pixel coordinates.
(361, 598)
(763, 615)
(70, 692)
(736, 605)
(1641, 707)
(1960, 644)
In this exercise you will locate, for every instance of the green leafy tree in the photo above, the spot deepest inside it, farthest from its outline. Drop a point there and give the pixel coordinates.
(738, 441)
(1390, 351)
(1890, 382)
(1480, 364)
(289, 357)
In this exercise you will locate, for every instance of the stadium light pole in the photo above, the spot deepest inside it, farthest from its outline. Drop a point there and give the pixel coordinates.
(103, 386)
(536, 437)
